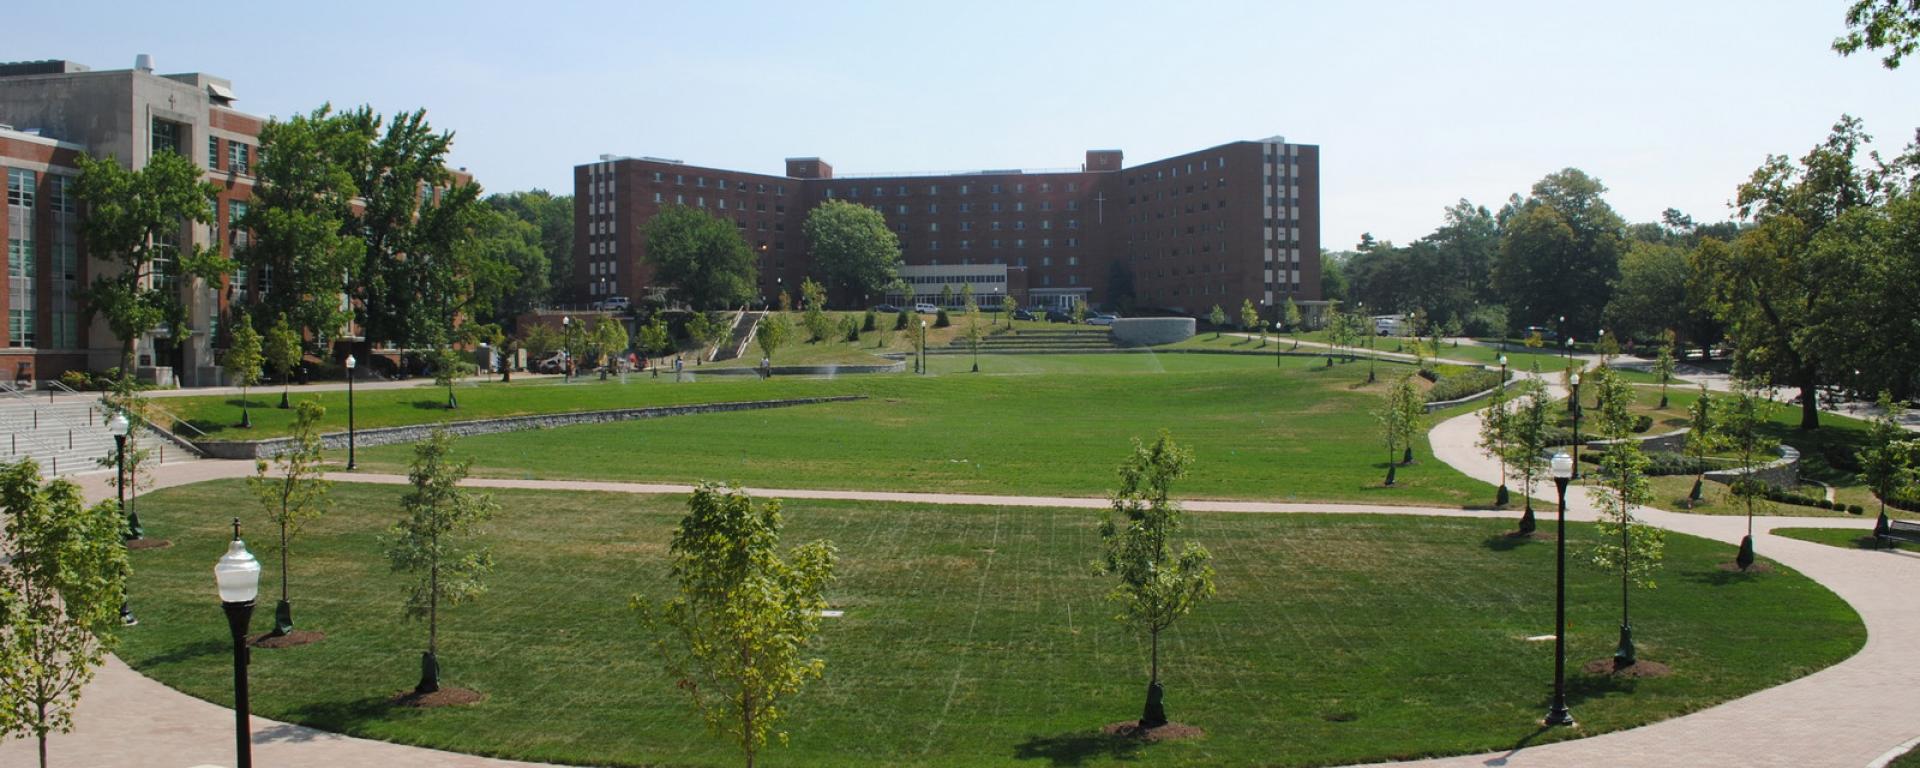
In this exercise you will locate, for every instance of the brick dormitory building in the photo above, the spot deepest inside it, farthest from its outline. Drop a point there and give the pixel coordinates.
(1236, 222)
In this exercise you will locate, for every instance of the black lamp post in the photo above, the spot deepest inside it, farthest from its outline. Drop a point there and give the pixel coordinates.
(566, 336)
(923, 347)
(119, 426)
(350, 362)
(1558, 714)
(1372, 329)
(237, 574)
(1575, 397)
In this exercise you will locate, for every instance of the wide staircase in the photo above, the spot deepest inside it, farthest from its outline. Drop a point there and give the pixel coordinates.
(1065, 340)
(65, 431)
(744, 324)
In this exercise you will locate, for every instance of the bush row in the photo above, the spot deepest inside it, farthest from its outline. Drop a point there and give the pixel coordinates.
(1454, 386)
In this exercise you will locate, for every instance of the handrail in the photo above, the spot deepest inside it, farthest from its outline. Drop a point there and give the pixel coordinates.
(174, 420)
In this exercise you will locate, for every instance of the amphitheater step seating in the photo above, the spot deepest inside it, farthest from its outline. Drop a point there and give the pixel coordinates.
(65, 434)
(1083, 339)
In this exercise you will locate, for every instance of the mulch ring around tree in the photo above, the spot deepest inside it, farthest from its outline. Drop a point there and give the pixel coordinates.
(1603, 667)
(292, 639)
(1130, 729)
(445, 697)
(1759, 566)
(133, 544)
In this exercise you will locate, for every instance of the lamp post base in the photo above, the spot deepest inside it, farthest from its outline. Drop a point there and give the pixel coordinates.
(1155, 714)
(282, 618)
(1623, 655)
(127, 619)
(1558, 716)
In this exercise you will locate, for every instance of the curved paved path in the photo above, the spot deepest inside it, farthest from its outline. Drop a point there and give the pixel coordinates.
(1846, 716)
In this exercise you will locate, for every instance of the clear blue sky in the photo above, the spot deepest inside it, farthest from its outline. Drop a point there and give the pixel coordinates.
(1414, 104)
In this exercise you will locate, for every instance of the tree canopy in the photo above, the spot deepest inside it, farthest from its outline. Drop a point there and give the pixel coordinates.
(852, 247)
(700, 258)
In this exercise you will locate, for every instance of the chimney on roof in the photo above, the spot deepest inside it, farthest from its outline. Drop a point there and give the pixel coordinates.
(143, 63)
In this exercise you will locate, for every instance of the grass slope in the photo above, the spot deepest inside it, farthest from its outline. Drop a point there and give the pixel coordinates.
(979, 636)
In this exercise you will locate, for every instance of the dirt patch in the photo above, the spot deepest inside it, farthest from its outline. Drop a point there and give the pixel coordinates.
(137, 544)
(445, 697)
(1759, 566)
(292, 639)
(1603, 667)
(1130, 729)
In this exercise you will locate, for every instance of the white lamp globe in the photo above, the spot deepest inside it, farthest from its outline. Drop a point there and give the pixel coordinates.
(237, 574)
(351, 362)
(1576, 378)
(1562, 466)
(118, 426)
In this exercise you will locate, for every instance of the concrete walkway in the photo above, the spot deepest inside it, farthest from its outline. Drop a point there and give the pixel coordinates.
(1846, 716)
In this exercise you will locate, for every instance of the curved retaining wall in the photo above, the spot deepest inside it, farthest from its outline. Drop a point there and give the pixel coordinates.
(257, 449)
(1148, 331)
(1783, 472)
(1670, 442)
(801, 370)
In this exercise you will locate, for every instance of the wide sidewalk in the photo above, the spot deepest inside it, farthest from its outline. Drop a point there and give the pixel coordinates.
(1845, 716)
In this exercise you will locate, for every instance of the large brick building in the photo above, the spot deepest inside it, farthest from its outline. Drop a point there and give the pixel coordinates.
(1239, 221)
(51, 112)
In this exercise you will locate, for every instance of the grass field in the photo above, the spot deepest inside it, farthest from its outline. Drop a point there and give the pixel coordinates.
(1845, 538)
(1054, 425)
(979, 636)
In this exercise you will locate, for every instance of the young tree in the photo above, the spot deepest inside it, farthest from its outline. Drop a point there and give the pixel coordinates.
(700, 327)
(610, 336)
(902, 320)
(702, 257)
(449, 365)
(243, 362)
(946, 296)
(1663, 367)
(1291, 316)
(1218, 317)
(131, 462)
(134, 223)
(1079, 312)
(1625, 543)
(1703, 438)
(974, 334)
(1496, 431)
(655, 339)
(1157, 586)
(1007, 307)
(1530, 437)
(428, 542)
(852, 246)
(1336, 330)
(786, 301)
(63, 571)
(293, 491)
(540, 340)
(282, 350)
(719, 331)
(1413, 414)
(814, 299)
(1890, 460)
(869, 321)
(774, 332)
(1740, 420)
(850, 329)
(1250, 319)
(967, 304)
(737, 632)
(1392, 415)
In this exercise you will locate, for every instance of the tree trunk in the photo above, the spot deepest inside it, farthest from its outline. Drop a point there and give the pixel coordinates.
(1809, 404)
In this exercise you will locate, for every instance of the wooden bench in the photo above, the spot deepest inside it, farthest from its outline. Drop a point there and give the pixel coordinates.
(1890, 531)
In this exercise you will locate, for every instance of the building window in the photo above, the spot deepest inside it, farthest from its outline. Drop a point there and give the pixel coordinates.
(22, 270)
(238, 155)
(166, 136)
(213, 153)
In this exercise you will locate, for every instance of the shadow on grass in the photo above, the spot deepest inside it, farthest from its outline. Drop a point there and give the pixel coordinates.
(338, 716)
(1523, 743)
(1077, 748)
(1506, 542)
(430, 405)
(184, 653)
(1583, 688)
(1719, 578)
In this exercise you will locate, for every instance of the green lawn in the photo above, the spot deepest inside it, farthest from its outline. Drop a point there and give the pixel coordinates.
(1034, 424)
(1845, 538)
(979, 636)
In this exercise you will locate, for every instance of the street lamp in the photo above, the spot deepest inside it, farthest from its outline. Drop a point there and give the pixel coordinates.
(1562, 469)
(1576, 423)
(119, 426)
(238, 577)
(923, 347)
(1367, 326)
(350, 364)
(566, 338)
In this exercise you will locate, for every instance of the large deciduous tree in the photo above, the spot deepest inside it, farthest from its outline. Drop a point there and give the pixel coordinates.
(700, 258)
(136, 222)
(852, 247)
(552, 216)
(63, 573)
(1158, 584)
(1891, 27)
(1651, 295)
(1561, 246)
(737, 634)
(429, 543)
(301, 249)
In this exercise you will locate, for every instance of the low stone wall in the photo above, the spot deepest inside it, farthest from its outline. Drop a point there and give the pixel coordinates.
(1783, 472)
(1480, 395)
(1668, 442)
(1149, 331)
(257, 449)
(799, 370)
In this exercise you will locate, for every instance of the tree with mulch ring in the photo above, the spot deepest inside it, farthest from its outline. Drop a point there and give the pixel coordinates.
(444, 697)
(292, 491)
(1638, 669)
(1625, 543)
(1131, 729)
(427, 543)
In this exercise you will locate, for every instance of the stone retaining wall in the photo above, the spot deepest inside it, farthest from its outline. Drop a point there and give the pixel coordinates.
(1669, 442)
(256, 449)
(799, 370)
(1783, 472)
(1149, 331)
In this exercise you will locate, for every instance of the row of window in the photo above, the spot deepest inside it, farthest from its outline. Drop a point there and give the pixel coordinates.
(852, 192)
(700, 182)
(967, 245)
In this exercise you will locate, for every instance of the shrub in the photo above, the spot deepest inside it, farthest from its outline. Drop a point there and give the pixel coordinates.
(900, 321)
(77, 380)
(1642, 423)
(853, 327)
(1486, 321)
(941, 320)
(870, 323)
(1855, 509)
(1458, 385)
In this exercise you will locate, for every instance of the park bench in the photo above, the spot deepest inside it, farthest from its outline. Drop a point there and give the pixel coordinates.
(1891, 530)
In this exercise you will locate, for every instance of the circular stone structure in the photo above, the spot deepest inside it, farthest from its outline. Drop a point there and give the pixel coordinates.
(1149, 331)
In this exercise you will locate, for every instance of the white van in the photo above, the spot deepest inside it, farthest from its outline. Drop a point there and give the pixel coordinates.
(926, 309)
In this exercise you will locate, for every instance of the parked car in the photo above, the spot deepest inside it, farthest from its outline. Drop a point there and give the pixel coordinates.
(1021, 314)
(1102, 318)
(886, 309)
(1059, 316)
(553, 363)
(1546, 334)
(926, 309)
(614, 303)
